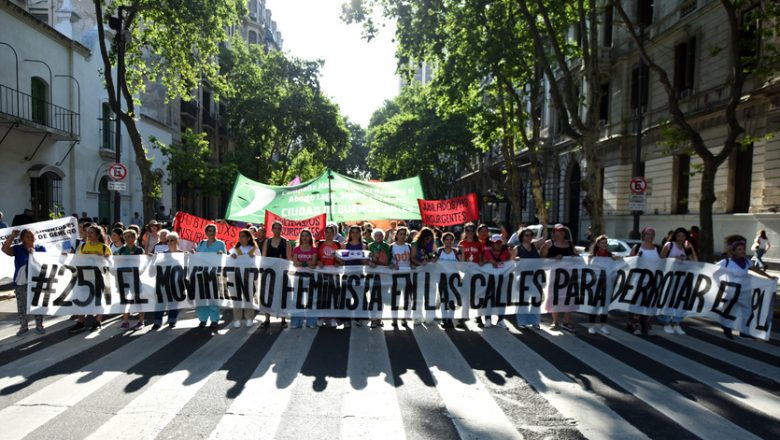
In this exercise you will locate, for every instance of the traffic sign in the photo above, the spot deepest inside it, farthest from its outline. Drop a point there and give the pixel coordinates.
(638, 185)
(117, 171)
(637, 202)
(117, 186)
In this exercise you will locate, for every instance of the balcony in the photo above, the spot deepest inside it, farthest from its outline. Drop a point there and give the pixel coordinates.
(19, 108)
(189, 108)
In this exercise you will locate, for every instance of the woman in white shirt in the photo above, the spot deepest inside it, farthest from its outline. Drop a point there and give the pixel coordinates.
(761, 246)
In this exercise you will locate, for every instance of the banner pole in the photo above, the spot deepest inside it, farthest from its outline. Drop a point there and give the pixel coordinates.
(330, 195)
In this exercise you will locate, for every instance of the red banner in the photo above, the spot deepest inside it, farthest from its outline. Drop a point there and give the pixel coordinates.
(192, 228)
(449, 212)
(292, 228)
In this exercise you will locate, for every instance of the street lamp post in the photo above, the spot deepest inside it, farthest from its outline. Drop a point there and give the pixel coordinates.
(116, 24)
(637, 168)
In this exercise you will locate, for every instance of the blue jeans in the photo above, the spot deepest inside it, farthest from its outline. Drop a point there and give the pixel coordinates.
(666, 319)
(206, 312)
(297, 321)
(528, 318)
(759, 255)
(172, 316)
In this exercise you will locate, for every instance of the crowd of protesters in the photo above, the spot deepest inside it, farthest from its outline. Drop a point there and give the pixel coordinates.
(399, 247)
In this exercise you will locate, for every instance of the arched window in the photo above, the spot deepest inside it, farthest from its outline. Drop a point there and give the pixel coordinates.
(46, 195)
(252, 37)
(106, 127)
(39, 92)
(105, 200)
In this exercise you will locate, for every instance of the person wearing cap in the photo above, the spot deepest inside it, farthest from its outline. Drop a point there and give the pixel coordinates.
(737, 264)
(496, 254)
(558, 247)
(642, 324)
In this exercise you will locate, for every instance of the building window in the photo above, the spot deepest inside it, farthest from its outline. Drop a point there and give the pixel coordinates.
(684, 63)
(252, 37)
(749, 38)
(608, 19)
(640, 82)
(106, 127)
(46, 195)
(39, 92)
(681, 182)
(604, 104)
(644, 12)
(740, 179)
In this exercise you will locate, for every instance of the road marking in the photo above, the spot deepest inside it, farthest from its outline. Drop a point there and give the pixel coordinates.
(474, 412)
(257, 411)
(37, 409)
(686, 413)
(594, 418)
(148, 413)
(370, 408)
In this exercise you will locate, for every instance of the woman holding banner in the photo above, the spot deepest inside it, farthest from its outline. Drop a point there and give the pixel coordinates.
(129, 248)
(326, 257)
(680, 248)
(151, 236)
(210, 244)
(559, 247)
(600, 248)
(94, 245)
(738, 264)
(172, 240)
(354, 243)
(642, 324)
(21, 254)
(276, 247)
(304, 255)
(527, 250)
(245, 247)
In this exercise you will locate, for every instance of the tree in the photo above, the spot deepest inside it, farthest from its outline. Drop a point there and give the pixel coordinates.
(407, 137)
(745, 58)
(190, 161)
(167, 42)
(574, 78)
(484, 68)
(282, 122)
(355, 164)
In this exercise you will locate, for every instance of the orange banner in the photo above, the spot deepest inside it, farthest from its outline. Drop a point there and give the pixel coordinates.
(450, 211)
(192, 228)
(292, 228)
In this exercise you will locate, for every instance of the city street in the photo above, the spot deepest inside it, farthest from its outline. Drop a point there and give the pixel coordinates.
(417, 383)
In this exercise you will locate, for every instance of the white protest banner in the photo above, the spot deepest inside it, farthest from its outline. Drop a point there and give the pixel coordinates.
(55, 235)
(86, 284)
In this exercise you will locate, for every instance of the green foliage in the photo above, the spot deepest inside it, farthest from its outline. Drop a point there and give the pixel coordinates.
(175, 42)
(407, 137)
(277, 113)
(192, 161)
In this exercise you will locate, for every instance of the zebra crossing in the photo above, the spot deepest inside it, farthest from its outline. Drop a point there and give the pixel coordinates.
(421, 382)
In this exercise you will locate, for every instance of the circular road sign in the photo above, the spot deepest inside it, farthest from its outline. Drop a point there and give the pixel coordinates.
(638, 185)
(117, 171)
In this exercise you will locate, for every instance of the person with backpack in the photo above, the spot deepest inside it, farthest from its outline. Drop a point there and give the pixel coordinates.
(736, 263)
(679, 247)
(642, 324)
(496, 254)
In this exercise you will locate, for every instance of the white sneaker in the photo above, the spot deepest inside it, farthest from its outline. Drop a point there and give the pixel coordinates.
(502, 324)
(237, 323)
(488, 323)
(678, 330)
(603, 329)
(250, 322)
(592, 330)
(668, 329)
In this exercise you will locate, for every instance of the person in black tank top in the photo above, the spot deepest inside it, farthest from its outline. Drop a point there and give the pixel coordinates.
(279, 251)
(559, 247)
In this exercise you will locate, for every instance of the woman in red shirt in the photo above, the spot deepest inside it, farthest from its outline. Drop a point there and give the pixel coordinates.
(326, 257)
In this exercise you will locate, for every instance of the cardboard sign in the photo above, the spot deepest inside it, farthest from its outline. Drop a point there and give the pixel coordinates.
(192, 228)
(449, 212)
(291, 229)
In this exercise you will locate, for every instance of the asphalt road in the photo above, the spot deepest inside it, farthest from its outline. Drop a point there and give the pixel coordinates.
(420, 383)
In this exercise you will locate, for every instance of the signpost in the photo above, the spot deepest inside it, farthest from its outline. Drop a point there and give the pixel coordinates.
(637, 200)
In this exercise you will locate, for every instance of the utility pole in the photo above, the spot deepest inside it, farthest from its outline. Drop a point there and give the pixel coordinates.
(637, 168)
(330, 194)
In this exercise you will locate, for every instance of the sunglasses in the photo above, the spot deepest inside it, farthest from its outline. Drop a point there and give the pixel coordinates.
(171, 240)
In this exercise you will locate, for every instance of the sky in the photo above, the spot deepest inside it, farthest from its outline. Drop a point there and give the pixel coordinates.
(358, 76)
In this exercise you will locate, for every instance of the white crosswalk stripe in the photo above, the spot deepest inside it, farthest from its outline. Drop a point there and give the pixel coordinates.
(365, 399)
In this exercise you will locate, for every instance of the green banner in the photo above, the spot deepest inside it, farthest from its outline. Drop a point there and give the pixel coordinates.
(341, 198)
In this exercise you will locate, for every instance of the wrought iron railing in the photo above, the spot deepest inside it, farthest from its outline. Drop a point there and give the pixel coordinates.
(25, 107)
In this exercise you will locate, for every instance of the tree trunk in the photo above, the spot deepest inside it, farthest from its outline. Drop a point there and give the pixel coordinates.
(148, 179)
(707, 200)
(593, 184)
(540, 204)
